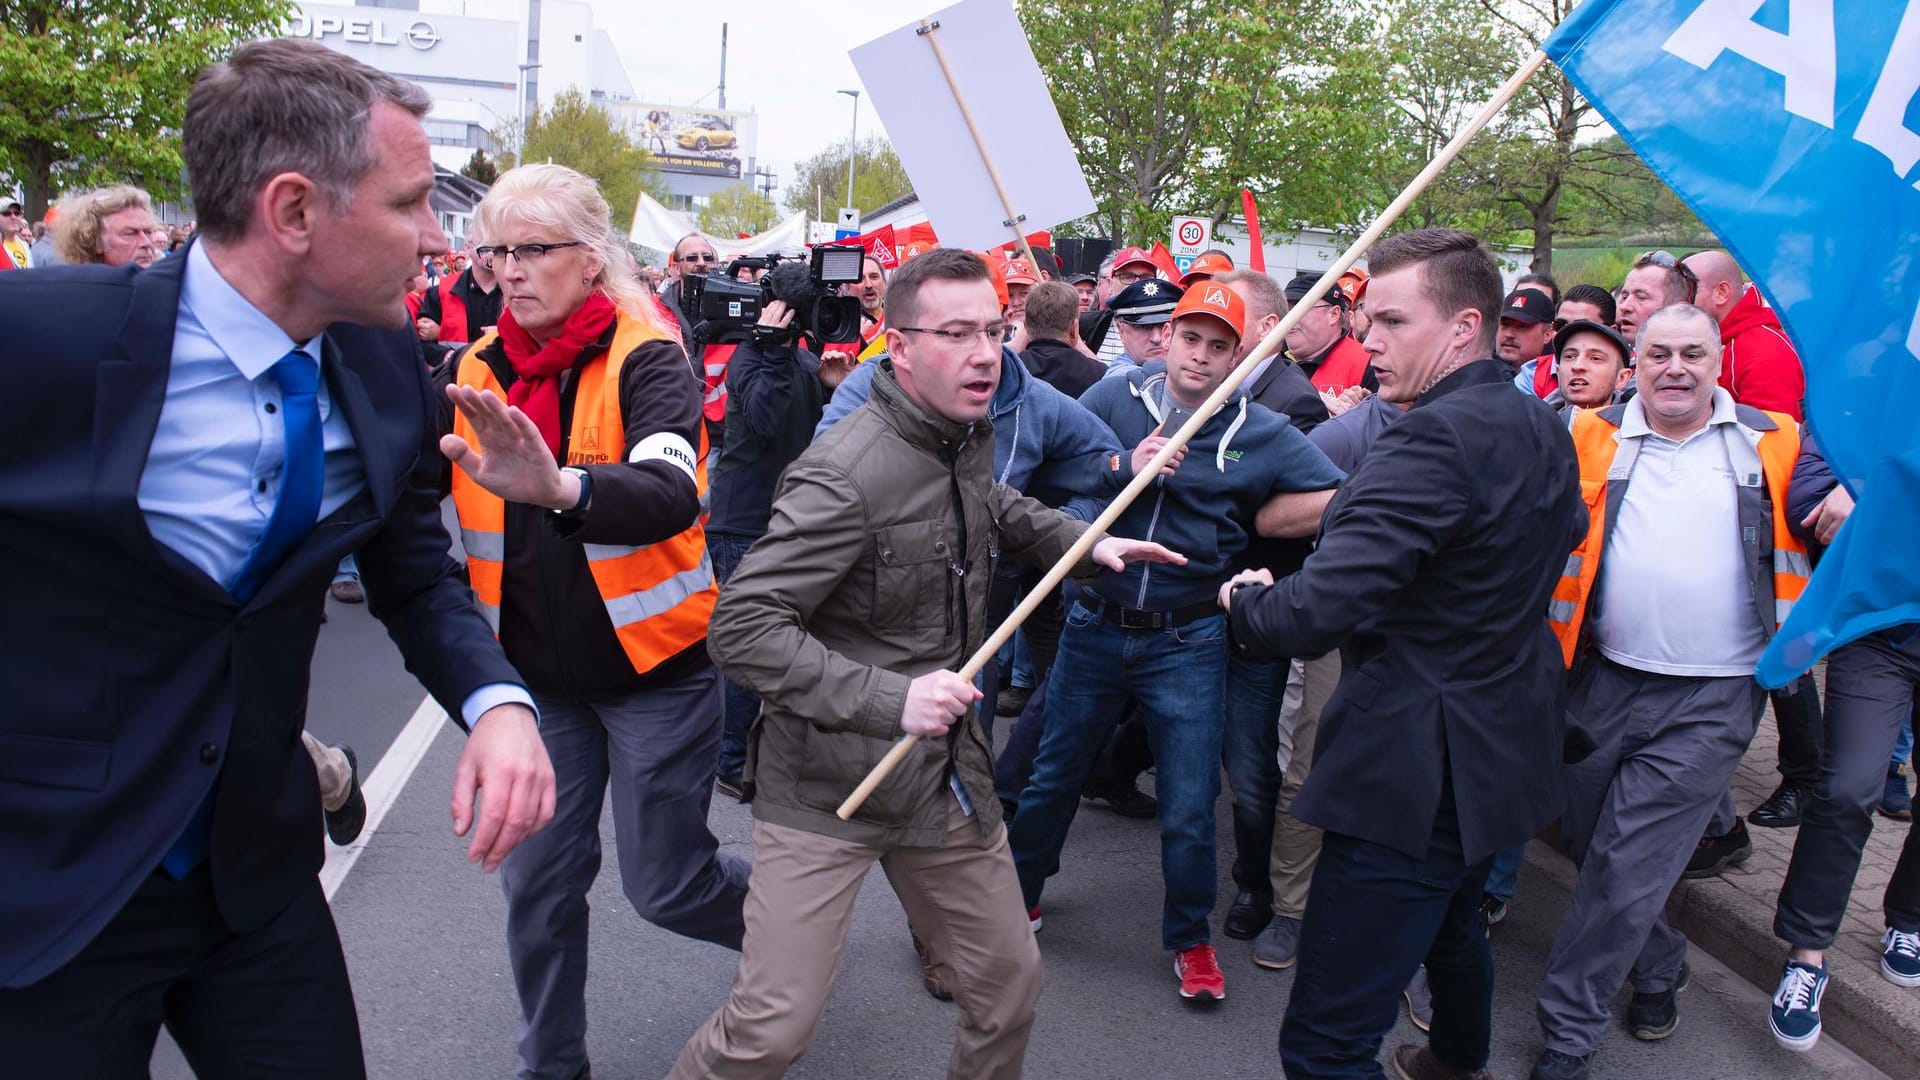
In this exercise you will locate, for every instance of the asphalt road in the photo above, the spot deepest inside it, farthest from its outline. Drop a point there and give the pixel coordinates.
(425, 941)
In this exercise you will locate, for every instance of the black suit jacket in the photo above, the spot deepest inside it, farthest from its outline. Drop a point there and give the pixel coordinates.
(1284, 388)
(133, 681)
(1435, 565)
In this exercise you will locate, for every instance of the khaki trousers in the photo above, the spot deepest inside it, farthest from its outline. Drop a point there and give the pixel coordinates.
(336, 775)
(963, 900)
(1296, 845)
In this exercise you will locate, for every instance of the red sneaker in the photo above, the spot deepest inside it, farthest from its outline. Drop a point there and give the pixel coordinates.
(1033, 918)
(1199, 973)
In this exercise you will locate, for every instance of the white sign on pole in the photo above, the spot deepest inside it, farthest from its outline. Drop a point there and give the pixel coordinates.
(994, 70)
(849, 223)
(820, 232)
(1189, 236)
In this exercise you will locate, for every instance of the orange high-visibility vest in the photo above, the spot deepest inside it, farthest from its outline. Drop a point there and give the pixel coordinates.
(658, 596)
(1593, 440)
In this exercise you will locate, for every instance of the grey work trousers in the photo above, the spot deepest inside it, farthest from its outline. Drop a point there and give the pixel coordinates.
(656, 748)
(962, 897)
(1665, 748)
(1296, 844)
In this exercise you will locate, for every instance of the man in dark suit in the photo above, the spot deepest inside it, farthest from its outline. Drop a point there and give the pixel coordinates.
(190, 451)
(1442, 743)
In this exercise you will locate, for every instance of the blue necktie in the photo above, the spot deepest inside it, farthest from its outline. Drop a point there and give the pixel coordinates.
(302, 475)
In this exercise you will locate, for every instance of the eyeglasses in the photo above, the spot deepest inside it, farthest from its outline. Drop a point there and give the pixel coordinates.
(698, 256)
(524, 252)
(1666, 261)
(992, 333)
(13, 213)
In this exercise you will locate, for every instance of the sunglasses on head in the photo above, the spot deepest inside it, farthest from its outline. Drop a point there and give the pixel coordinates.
(1666, 261)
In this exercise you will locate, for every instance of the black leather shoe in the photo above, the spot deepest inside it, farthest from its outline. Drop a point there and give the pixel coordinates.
(1128, 801)
(1784, 808)
(1012, 700)
(1717, 853)
(1250, 914)
(1554, 1065)
(344, 824)
(1415, 1062)
(1652, 1017)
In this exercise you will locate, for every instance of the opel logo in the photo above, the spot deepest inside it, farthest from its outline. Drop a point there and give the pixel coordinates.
(421, 35)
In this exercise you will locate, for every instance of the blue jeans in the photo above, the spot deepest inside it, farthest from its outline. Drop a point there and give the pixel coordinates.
(1374, 915)
(1504, 875)
(1251, 755)
(738, 707)
(1903, 747)
(1178, 677)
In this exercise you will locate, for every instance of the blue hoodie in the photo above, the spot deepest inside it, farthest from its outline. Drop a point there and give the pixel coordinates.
(1244, 455)
(1042, 439)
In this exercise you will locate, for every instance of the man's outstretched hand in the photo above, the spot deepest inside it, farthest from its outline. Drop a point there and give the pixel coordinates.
(506, 763)
(1115, 552)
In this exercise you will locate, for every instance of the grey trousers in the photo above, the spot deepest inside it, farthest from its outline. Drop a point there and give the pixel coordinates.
(1665, 749)
(656, 749)
(1296, 845)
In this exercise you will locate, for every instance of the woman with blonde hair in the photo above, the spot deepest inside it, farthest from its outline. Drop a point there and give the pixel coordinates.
(580, 479)
(111, 225)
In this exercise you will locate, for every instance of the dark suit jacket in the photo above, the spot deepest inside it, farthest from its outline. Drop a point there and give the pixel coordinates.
(1284, 388)
(133, 681)
(1435, 565)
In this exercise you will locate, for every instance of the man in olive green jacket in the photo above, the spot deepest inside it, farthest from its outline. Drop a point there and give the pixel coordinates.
(848, 620)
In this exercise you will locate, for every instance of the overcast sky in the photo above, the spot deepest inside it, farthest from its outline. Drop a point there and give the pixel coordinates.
(785, 59)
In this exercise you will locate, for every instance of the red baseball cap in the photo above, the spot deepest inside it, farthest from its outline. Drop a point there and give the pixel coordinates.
(1206, 266)
(1134, 255)
(1217, 302)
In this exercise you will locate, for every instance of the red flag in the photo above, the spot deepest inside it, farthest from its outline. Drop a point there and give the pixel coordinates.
(1258, 256)
(1163, 259)
(880, 244)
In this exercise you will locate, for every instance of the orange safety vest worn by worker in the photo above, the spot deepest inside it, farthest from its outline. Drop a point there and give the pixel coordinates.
(659, 596)
(1595, 443)
(453, 314)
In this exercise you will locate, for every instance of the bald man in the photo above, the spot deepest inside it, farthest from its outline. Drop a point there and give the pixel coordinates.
(1758, 365)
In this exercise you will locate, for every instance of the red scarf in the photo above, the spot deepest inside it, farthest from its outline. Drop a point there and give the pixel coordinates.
(537, 368)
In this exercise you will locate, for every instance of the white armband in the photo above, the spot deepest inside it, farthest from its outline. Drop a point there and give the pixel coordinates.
(668, 447)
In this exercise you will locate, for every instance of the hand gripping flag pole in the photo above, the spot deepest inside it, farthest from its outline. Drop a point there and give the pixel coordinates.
(1268, 346)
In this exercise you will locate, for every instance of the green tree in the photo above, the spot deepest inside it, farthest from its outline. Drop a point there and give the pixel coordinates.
(737, 209)
(574, 132)
(96, 91)
(820, 182)
(480, 168)
(1175, 105)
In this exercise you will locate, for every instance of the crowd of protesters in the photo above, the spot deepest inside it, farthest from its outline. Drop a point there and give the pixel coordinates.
(1458, 564)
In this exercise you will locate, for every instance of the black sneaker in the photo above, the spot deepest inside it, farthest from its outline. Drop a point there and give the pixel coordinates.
(1128, 801)
(1652, 1017)
(1715, 854)
(1494, 908)
(1554, 1065)
(1250, 914)
(344, 824)
(731, 786)
(1012, 700)
(1784, 808)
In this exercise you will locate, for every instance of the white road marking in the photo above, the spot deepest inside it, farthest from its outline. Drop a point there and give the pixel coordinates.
(383, 786)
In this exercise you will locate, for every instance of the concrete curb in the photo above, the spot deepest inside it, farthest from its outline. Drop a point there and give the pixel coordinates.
(1873, 1018)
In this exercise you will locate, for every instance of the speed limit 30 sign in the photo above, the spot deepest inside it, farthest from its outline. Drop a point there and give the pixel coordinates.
(1189, 235)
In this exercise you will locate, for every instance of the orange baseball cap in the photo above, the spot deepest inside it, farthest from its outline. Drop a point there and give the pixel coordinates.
(1214, 301)
(1354, 284)
(1206, 266)
(1019, 272)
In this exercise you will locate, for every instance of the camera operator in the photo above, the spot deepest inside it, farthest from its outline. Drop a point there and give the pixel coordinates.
(692, 256)
(779, 387)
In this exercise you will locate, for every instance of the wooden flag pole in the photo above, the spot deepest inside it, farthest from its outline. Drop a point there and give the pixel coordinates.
(927, 30)
(1267, 347)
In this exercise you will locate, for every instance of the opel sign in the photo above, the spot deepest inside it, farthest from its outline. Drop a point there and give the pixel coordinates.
(365, 31)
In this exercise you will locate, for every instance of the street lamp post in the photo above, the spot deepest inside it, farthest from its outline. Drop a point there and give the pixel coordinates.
(853, 141)
(520, 152)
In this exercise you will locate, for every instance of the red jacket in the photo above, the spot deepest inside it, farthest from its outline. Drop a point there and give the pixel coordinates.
(1346, 364)
(1758, 365)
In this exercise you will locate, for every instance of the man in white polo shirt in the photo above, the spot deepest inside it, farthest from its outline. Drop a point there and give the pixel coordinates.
(1662, 612)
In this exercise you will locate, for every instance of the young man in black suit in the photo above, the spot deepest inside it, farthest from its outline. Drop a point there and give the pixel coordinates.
(1442, 743)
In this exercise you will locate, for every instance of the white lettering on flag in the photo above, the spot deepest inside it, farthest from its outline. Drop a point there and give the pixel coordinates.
(1804, 55)
(1883, 125)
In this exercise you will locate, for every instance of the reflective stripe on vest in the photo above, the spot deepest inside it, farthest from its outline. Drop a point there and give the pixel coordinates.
(453, 313)
(1595, 443)
(658, 597)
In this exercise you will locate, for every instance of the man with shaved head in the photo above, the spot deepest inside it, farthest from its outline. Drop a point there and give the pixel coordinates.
(1758, 364)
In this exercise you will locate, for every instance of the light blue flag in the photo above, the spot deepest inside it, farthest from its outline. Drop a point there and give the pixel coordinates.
(1792, 128)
